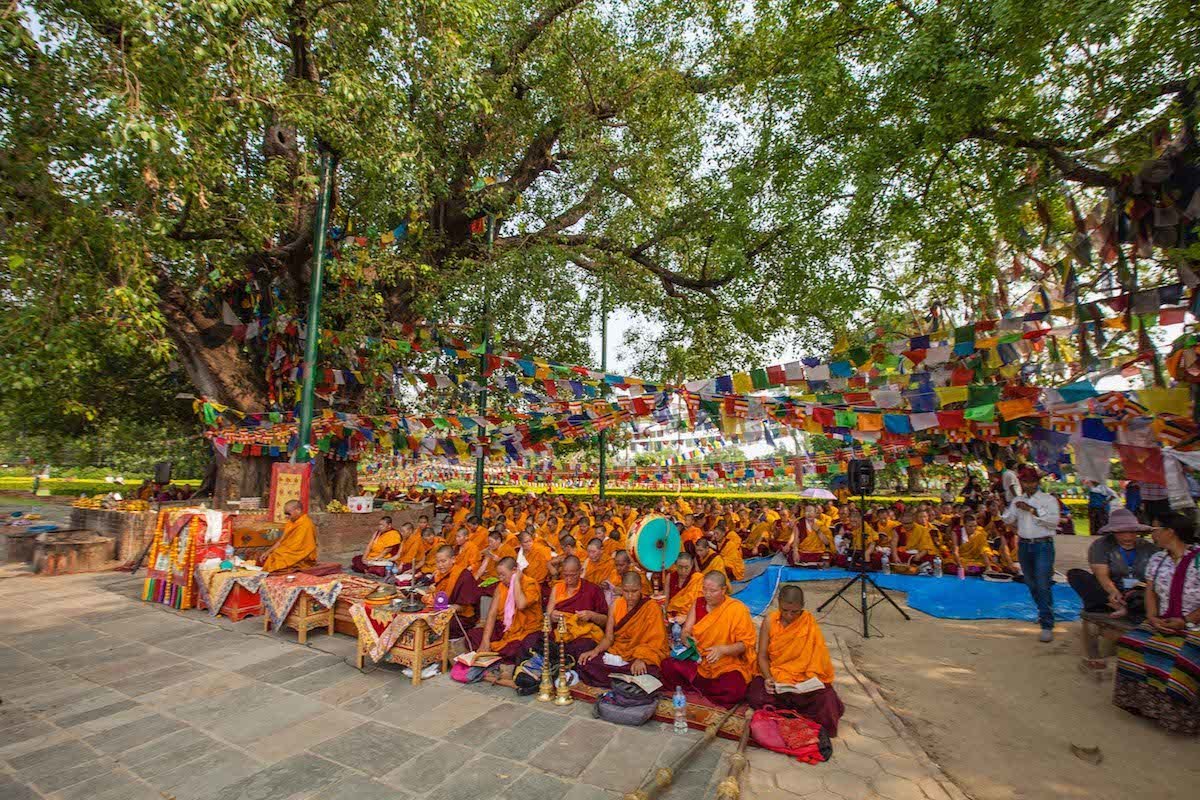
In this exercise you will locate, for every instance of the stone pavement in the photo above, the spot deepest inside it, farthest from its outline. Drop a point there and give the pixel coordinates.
(105, 697)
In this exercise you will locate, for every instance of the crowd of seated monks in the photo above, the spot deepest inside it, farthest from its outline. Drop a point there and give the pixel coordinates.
(538, 556)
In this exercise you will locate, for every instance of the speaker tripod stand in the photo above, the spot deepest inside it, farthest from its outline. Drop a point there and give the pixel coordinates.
(862, 579)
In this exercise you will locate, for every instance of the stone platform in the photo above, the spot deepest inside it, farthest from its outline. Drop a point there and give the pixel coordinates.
(109, 698)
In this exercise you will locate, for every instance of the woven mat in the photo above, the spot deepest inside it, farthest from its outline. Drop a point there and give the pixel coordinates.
(700, 712)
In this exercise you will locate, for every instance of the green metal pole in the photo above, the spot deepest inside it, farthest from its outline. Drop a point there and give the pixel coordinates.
(487, 348)
(603, 368)
(312, 336)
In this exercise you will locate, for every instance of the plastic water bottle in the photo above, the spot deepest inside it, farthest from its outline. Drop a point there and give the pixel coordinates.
(679, 701)
(937, 567)
(885, 564)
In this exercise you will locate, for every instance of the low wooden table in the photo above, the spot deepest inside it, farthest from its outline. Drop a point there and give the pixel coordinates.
(306, 615)
(413, 640)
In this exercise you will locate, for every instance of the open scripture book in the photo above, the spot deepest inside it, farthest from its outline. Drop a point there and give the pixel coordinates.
(473, 659)
(810, 685)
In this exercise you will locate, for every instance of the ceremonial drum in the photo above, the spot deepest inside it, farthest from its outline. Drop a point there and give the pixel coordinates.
(654, 543)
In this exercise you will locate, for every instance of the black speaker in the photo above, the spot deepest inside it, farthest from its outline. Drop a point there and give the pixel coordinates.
(162, 472)
(861, 476)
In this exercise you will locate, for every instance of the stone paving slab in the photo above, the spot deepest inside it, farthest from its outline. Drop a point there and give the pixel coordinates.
(109, 698)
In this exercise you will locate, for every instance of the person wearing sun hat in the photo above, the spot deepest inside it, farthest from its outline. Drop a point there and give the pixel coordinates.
(1118, 561)
(1035, 516)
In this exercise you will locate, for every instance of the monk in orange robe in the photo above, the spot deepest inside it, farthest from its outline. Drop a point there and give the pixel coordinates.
(410, 550)
(707, 558)
(385, 543)
(457, 582)
(691, 532)
(496, 550)
(634, 633)
(430, 544)
(599, 566)
(623, 565)
(581, 604)
(514, 620)
(297, 547)
(730, 545)
(791, 650)
(467, 553)
(724, 634)
(534, 558)
(683, 584)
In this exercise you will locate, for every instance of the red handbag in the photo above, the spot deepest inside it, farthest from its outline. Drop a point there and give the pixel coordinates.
(790, 733)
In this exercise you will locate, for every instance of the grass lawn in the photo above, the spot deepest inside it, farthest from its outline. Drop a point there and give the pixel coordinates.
(73, 487)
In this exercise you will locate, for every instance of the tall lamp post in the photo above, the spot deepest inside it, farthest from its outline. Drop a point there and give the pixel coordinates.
(483, 360)
(603, 368)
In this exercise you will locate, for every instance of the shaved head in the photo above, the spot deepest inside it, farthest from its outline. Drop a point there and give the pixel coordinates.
(792, 594)
(572, 561)
(716, 578)
(631, 580)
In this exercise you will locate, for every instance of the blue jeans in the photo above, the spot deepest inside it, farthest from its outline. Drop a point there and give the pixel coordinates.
(1037, 563)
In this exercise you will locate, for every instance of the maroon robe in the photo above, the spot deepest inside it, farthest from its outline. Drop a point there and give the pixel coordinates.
(823, 706)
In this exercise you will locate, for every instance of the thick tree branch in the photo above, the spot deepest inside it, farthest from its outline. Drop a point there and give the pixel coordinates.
(527, 37)
(1070, 167)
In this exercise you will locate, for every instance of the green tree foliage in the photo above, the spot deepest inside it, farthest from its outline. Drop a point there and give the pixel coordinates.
(729, 170)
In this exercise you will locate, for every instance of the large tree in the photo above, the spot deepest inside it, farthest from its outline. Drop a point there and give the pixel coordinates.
(729, 170)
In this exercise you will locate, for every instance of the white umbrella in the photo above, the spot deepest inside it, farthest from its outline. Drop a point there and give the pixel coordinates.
(818, 494)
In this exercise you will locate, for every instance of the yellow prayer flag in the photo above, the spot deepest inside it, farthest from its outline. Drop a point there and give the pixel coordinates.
(951, 394)
(742, 384)
(1166, 401)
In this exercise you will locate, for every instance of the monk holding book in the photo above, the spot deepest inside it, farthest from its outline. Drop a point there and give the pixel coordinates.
(796, 671)
(723, 632)
(634, 641)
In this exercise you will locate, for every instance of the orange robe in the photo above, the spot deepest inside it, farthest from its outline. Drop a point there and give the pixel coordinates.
(538, 558)
(523, 622)
(446, 583)
(600, 571)
(469, 556)
(975, 550)
(410, 551)
(919, 537)
(479, 538)
(428, 558)
(296, 549)
(576, 628)
(681, 602)
(797, 652)
(731, 554)
(643, 636)
(380, 544)
(811, 543)
(714, 564)
(728, 623)
(690, 534)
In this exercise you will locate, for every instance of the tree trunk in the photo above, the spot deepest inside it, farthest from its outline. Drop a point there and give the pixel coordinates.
(914, 479)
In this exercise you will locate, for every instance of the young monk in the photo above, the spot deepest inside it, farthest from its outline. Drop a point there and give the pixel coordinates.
(581, 605)
(431, 542)
(691, 532)
(729, 546)
(707, 559)
(683, 583)
(458, 583)
(791, 650)
(633, 634)
(974, 554)
(918, 541)
(623, 565)
(468, 555)
(566, 548)
(724, 635)
(599, 566)
(514, 620)
(496, 550)
(410, 548)
(380, 551)
(534, 558)
(297, 547)
(758, 541)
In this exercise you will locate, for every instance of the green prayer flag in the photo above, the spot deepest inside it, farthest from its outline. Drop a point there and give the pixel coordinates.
(984, 413)
(980, 395)
(845, 419)
(759, 378)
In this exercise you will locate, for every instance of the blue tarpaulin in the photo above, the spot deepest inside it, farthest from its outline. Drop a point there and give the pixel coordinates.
(946, 597)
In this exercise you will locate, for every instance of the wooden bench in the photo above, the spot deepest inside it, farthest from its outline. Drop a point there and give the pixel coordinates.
(1100, 633)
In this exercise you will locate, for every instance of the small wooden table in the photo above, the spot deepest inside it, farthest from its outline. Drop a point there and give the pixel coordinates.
(417, 645)
(305, 615)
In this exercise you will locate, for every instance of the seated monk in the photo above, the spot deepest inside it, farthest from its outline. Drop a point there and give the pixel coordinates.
(707, 558)
(974, 554)
(381, 550)
(410, 550)
(599, 566)
(581, 605)
(634, 634)
(466, 554)
(683, 587)
(297, 547)
(566, 549)
(758, 540)
(918, 542)
(791, 650)
(496, 549)
(514, 620)
(458, 583)
(729, 546)
(724, 634)
(622, 566)
(534, 557)
(430, 544)
(691, 532)
(813, 541)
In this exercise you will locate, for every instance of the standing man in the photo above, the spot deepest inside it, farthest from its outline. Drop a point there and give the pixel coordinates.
(1009, 483)
(1035, 515)
(1100, 498)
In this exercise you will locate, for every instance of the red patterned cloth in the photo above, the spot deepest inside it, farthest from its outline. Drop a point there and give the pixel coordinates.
(279, 594)
(381, 627)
